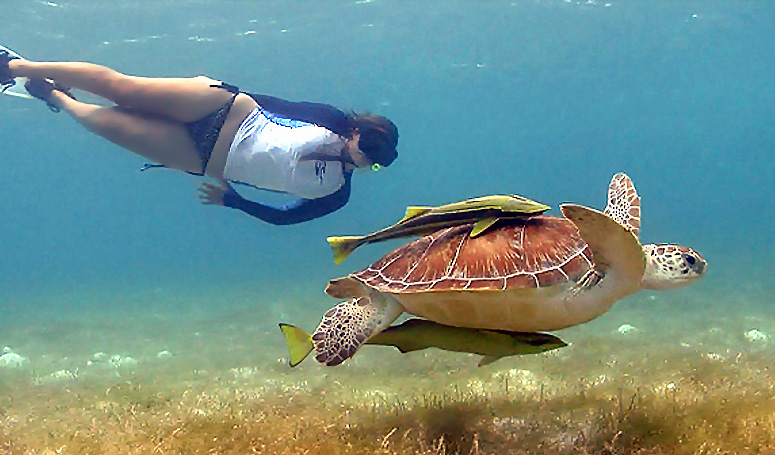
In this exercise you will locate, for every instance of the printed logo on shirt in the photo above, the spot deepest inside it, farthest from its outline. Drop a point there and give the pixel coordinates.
(320, 170)
(287, 122)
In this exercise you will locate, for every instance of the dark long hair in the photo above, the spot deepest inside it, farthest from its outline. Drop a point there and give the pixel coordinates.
(378, 137)
(378, 140)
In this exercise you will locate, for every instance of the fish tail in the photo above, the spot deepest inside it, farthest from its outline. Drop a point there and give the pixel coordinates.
(299, 343)
(343, 246)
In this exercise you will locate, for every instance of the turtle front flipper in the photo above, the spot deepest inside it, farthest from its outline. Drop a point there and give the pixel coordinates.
(624, 203)
(617, 253)
(348, 325)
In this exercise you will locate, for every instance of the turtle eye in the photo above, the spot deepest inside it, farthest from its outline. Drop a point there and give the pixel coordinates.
(695, 263)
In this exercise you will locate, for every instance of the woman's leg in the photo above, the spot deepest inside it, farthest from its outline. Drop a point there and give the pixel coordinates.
(159, 139)
(180, 99)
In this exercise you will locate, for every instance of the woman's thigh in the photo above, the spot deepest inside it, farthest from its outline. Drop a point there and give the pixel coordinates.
(156, 138)
(181, 99)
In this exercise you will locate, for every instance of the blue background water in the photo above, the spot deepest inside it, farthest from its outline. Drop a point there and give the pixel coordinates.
(543, 98)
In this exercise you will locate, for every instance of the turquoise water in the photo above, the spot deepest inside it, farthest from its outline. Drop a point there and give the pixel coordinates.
(547, 99)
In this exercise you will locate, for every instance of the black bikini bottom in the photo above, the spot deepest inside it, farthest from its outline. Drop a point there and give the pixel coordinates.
(205, 131)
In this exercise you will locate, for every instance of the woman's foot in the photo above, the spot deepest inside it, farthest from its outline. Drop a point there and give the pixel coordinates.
(6, 80)
(42, 90)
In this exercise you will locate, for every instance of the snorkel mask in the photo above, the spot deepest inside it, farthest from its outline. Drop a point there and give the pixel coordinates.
(375, 144)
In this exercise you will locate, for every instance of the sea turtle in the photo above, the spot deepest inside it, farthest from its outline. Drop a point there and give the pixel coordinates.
(533, 274)
(483, 212)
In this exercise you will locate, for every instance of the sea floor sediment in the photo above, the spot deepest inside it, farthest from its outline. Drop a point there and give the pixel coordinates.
(661, 380)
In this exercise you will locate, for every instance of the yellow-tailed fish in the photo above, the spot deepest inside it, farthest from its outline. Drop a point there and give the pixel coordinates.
(417, 334)
(482, 211)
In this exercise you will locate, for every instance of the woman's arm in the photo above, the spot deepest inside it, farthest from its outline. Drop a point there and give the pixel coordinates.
(294, 212)
(319, 114)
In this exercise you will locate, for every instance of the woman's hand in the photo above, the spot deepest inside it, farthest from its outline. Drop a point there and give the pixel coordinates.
(212, 194)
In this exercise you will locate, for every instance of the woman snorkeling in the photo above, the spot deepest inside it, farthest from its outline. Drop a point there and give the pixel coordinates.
(207, 127)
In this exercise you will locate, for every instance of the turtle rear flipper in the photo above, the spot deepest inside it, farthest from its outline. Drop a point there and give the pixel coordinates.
(348, 325)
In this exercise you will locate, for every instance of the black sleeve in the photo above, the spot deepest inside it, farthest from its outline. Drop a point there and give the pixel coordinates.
(319, 114)
(294, 212)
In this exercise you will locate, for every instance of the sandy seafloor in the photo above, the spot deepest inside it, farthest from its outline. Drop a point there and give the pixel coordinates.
(148, 323)
(685, 371)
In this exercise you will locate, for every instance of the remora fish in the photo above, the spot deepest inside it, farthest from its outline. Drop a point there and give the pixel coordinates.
(417, 334)
(483, 211)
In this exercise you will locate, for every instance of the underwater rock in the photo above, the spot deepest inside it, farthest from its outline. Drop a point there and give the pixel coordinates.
(524, 380)
(12, 360)
(668, 387)
(510, 425)
(476, 386)
(755, 335)
(245, 372)
(58, 376)
(714, 357)
(119, 361)
(627, 329)
(516, 375)
(97, 359)
(114, 362)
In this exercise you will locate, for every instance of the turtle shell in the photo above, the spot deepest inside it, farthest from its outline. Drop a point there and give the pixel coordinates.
(519, 275)
(537, 252)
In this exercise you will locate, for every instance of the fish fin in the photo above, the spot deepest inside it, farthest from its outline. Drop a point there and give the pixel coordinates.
(402, 349)
(299, 343)
(407, 347)
(525, 205)
(343, 246)
(481, 226)
(413, 211)
(488, 359)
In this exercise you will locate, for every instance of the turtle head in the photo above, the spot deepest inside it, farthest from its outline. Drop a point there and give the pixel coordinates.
(672, 266)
